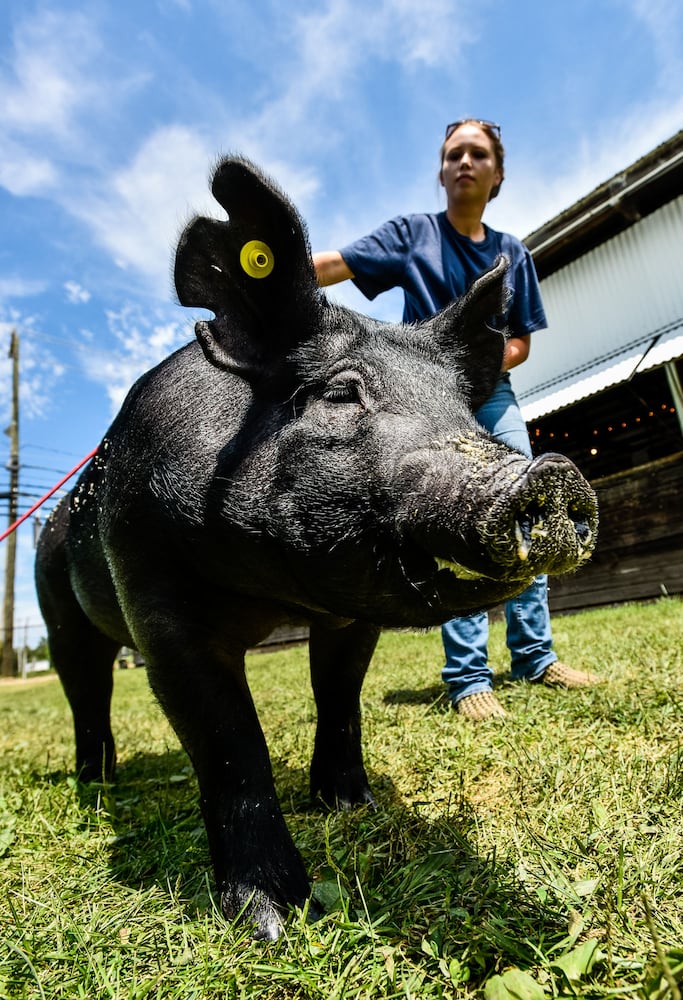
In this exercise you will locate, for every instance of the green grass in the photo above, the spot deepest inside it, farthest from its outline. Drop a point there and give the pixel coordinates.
(533, 857)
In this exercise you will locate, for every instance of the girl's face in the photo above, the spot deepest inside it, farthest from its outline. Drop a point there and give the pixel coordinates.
(469, 168)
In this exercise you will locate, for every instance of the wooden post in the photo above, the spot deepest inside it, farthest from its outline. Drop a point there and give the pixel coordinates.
(676, 390)
(7, 665)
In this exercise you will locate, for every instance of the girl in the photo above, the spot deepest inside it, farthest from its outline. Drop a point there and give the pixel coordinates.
(434, 257)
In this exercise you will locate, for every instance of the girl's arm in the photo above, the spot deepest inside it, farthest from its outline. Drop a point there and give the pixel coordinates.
(330, 267)
(516, 351)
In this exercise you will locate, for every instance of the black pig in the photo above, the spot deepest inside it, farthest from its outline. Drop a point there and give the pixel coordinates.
(300, 464)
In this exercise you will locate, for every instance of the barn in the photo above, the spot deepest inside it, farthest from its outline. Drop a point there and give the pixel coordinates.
(603, 384)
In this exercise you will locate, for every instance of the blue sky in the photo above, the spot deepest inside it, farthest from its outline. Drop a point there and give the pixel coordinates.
(113, 112)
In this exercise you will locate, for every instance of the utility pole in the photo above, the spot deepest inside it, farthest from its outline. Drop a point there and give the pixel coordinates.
(7, 666)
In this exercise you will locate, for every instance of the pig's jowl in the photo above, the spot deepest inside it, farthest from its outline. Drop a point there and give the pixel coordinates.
(297, 463)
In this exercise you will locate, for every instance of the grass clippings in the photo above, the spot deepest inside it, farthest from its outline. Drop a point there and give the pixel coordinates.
(536, 856)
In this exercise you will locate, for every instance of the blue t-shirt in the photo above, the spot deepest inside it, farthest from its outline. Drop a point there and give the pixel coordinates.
(433, 263)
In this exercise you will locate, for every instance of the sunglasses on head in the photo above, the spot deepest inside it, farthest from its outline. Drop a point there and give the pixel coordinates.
(450, 129)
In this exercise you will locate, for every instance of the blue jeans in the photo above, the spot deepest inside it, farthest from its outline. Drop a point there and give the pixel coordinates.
(529, 638)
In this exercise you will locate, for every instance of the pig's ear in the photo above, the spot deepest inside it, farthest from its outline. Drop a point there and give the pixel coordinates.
(253, 271)
(463, 329)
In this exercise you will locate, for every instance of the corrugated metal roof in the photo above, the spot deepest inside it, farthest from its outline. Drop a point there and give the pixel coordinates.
(613, 310)
(632, 194)
(602, 375)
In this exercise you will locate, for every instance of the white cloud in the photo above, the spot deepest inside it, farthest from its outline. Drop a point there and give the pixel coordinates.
(75, 293)
(143, 342)
(315, 85)
(137, 213)
(58, 82)
(597, 157)
(331, 50)
(39, 369)
(609, 145)
(399, 31)
(48, 83)
(19, 288)
(433, 32)
(136, 210)
(24, 171)
(661, 19)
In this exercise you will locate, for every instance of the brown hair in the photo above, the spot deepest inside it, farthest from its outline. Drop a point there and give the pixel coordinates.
(498, 149)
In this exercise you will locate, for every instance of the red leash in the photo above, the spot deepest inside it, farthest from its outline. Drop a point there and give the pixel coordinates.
(47, 496)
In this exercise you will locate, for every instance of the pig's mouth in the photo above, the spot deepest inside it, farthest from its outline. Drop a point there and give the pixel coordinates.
(530, 545)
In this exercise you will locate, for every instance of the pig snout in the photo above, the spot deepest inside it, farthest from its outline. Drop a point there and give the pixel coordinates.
(487, 511)
(550, 518)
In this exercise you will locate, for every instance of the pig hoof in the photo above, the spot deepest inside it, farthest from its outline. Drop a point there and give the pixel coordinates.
(340, 788)
(252, 906)
(268, 927)
(343, 799)
(365, 799)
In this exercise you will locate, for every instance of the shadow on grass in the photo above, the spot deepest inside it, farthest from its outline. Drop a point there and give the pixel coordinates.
(426, 887)
(415, 879)
(435, 694)
(153, 807)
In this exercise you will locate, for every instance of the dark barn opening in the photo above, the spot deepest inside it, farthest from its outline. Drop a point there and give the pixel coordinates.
(630, 425)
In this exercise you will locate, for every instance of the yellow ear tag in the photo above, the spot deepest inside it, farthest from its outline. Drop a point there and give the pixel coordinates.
(257, 259)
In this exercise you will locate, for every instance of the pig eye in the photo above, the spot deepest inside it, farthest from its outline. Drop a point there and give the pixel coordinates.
(343, 392)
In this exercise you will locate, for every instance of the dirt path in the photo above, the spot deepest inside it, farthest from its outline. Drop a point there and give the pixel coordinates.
(20, 682)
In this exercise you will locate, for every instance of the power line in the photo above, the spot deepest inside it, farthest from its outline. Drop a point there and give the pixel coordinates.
(34, 486)
(27, 625)
(54, 451)
(43, 468)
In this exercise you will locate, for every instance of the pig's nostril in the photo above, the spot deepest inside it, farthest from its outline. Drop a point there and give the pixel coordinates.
(533, 518)
(530, 524)
(583, 531)
(578, 515)
(523, 537)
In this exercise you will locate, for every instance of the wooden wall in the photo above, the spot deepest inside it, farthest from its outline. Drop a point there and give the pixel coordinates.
(639, 553)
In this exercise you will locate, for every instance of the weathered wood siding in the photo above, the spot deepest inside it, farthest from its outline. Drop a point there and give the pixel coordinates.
(639, 553)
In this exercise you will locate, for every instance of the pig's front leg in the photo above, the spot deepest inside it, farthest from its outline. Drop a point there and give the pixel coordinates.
(339, 661)
(259, 872)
